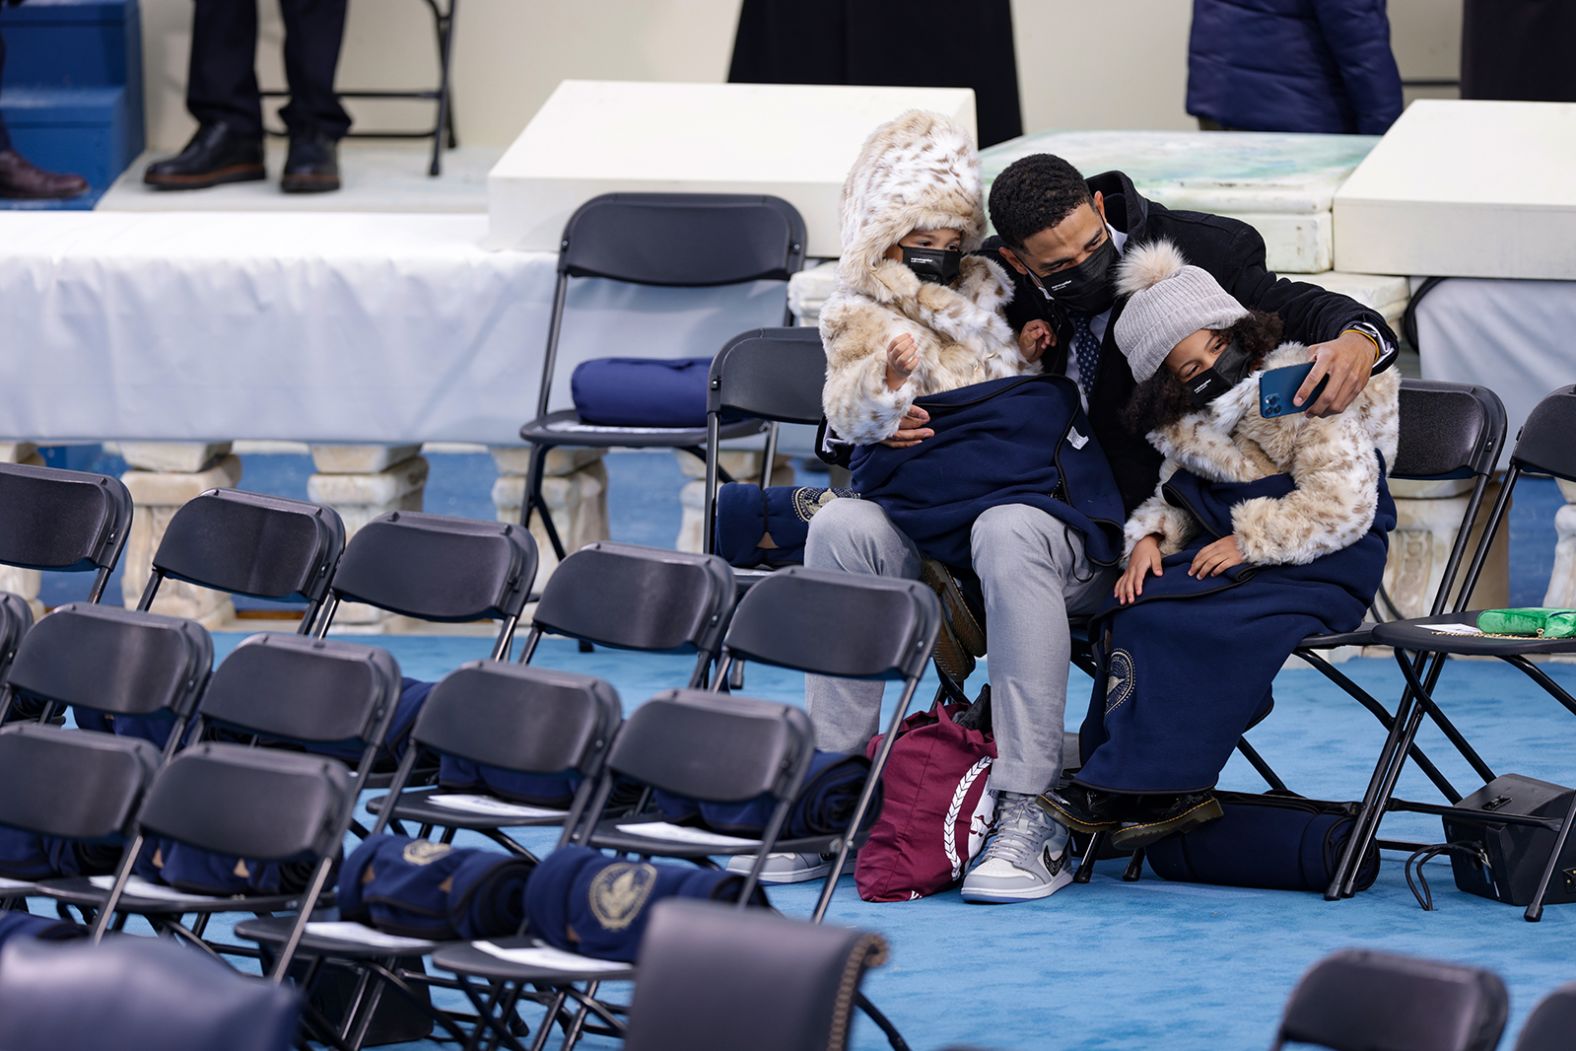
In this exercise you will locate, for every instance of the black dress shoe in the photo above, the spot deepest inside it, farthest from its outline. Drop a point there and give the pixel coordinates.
(20, 179)
(1085, 810)
(216, 154)
(312, 165)
(1161, 816)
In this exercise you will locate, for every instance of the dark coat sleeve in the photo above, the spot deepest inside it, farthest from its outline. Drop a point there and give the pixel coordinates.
(1357, 33)
(1311, 314)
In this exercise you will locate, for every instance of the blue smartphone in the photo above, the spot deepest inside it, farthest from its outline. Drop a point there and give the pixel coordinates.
(1278, 387)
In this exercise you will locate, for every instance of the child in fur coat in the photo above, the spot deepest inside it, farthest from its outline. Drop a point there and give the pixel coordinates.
(1266, 530)
(914, 313)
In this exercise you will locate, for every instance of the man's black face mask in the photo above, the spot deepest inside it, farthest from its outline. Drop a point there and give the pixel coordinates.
(1087, 287)
(937, 265)
(1229, 370)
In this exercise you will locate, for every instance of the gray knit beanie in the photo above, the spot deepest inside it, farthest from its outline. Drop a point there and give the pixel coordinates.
(1168, 301)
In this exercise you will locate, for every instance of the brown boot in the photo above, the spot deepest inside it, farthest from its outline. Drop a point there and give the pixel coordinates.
(21, 180)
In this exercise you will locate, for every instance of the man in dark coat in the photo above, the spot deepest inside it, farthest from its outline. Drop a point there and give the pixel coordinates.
(20, 178)
(1293, 65)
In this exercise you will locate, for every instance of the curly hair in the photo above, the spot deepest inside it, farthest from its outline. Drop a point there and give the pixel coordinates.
(1161, 399)
(1034, 193)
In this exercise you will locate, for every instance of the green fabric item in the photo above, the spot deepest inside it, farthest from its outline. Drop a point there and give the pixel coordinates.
(1532, 621)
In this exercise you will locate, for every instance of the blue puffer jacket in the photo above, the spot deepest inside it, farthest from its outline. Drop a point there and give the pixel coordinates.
(1293, 65)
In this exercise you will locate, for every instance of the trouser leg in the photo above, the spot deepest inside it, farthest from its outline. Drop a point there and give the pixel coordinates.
(1033, 573)
(314, 33)
(854, 536)
(221, 81)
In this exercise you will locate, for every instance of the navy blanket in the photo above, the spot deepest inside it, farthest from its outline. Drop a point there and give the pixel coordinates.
(421, 889)
(584, 901)
(1023, 440)
(1188, 668)
(823, 806)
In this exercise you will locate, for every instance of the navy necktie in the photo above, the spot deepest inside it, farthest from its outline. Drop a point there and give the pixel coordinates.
(1087, 350)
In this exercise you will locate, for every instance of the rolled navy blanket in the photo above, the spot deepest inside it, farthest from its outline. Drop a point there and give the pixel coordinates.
(422, 889)
(823, 806)
(746, 513)
(581, 900)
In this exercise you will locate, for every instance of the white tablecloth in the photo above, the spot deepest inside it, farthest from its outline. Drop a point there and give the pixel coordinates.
(1518, 338)
(309, 327)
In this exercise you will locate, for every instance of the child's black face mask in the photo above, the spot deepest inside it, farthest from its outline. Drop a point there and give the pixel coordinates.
(1229, 370)
(937, 265)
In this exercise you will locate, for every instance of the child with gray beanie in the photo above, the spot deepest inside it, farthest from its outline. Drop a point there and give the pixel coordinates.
(1197, 355)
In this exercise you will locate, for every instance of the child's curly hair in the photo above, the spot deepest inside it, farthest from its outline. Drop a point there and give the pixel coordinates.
(1161, 399)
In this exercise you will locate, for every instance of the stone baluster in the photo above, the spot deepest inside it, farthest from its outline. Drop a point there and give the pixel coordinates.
(1427, 516)
(162, 477)
(1562, 582)
(574, 485)
(362, 482)
(24, 582)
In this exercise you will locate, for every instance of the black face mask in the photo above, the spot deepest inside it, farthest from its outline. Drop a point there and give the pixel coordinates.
(1087, 287)
(1229, 370)
(937, 265)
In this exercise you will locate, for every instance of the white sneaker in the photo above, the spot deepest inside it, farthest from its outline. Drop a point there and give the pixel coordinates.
(789, 867)
(1027, 859)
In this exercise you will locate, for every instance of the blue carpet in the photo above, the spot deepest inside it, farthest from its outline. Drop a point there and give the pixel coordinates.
(1117, 965)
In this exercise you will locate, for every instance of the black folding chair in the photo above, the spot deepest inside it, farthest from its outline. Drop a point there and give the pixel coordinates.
(74, 786)
(686, 240)
(137, 994)
(249, 544)
(1552, 1022)
(523, 720)
(1359, 999)
(1545, 446)
(842, 625)
(64, 521)
(697, 745)
(637, 598)
(116, 662)
(16, 617)
(717, 977)
(437, 568)
(773, 374)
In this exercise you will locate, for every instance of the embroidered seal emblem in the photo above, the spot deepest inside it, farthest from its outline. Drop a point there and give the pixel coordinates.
(424, 851)
(1119, 682)
(620, 891)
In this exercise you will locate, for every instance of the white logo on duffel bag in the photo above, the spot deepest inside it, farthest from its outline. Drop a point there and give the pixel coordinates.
(979, 821)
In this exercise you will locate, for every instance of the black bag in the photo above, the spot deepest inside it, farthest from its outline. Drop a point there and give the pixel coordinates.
(1504, 862)
(1269, 841)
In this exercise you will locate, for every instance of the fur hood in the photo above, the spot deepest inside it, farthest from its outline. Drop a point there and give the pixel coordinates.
(918, 171)
(1331, 460)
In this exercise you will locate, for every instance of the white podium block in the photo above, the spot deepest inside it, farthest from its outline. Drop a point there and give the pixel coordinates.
(793, 141)
(1280, 184)
(1465, 189)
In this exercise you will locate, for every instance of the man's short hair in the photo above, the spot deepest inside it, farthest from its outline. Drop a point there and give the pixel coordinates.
(1034, 193)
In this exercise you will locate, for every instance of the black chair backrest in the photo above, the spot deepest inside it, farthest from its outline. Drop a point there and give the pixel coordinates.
(435, 567)
(840, 624)
(711, 976)
(683, 239)
(137, 994)
(121, 661)
(304, 690)
(1547, 443)
(53, 519)
(1552, 1023)
(56, 782)
(250, 544)
(519, 718)
(250, 802)
(709, 746)
(638, 598)
(1358, 999)
(770, 374)
(1448, 430)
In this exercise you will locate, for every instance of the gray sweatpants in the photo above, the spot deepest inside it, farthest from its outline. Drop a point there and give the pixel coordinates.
(1033, 573)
